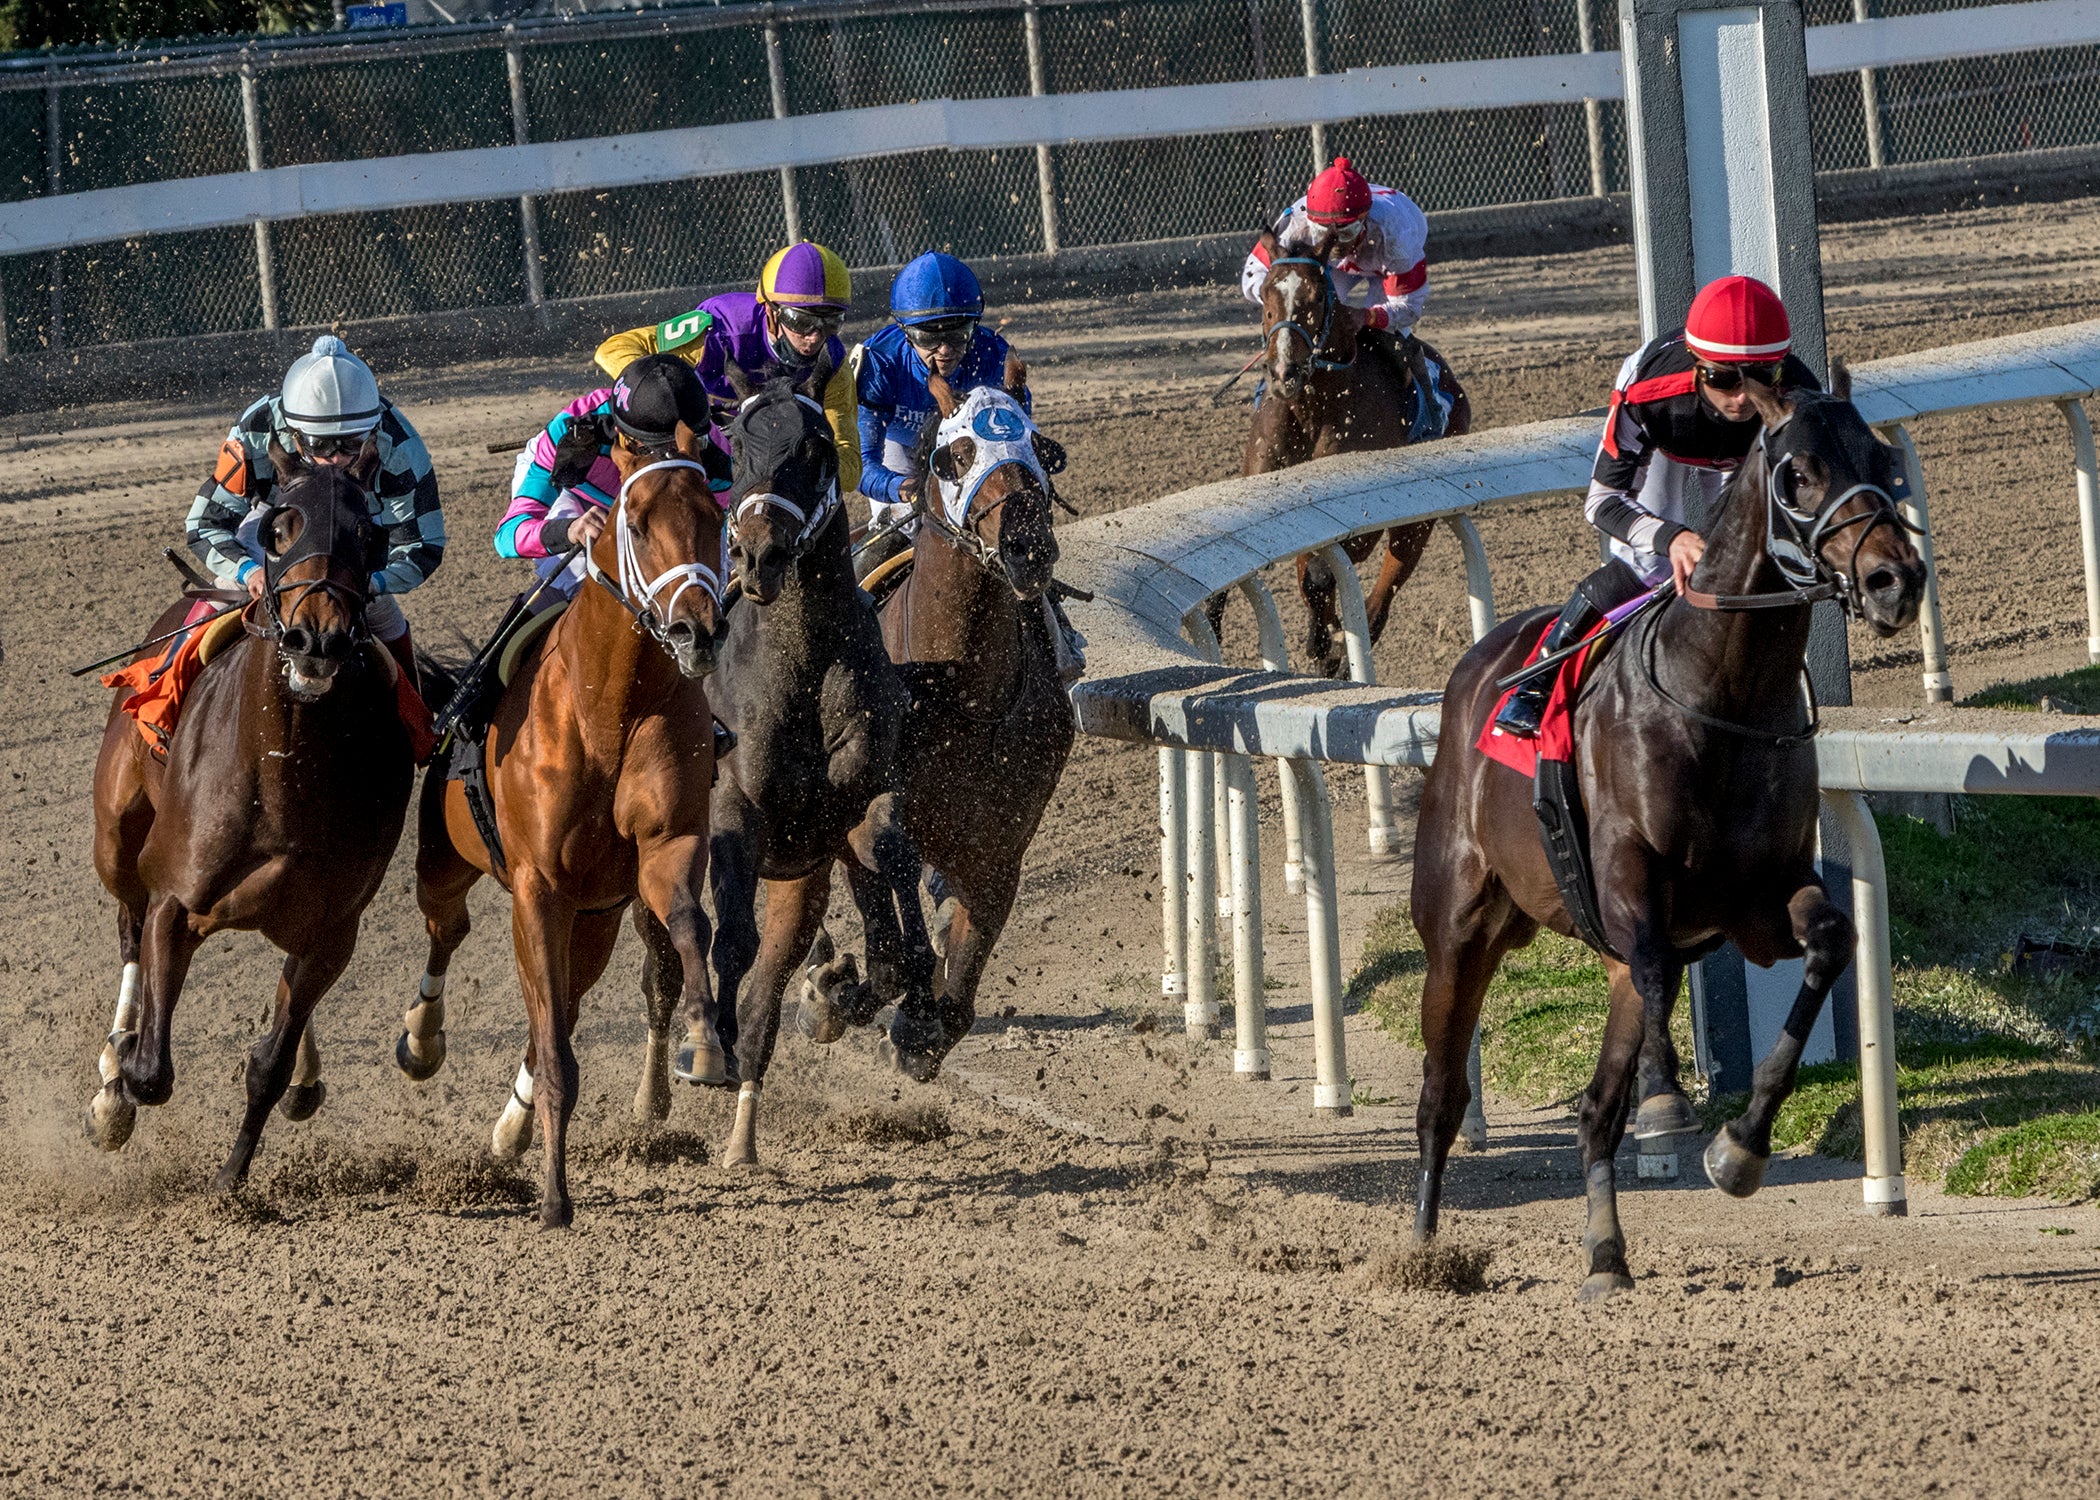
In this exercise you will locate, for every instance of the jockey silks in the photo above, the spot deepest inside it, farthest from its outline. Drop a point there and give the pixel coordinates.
(895, 404)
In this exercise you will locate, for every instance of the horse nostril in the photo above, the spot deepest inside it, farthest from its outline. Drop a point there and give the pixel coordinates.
(1882, 581)
(298, 640)
(336, 645)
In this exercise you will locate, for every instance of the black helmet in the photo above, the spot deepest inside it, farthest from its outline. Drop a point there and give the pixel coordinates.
(653, 395)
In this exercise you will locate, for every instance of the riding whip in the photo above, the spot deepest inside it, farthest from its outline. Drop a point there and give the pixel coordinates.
(159, 640)
(1219, 394)
(1614, 622)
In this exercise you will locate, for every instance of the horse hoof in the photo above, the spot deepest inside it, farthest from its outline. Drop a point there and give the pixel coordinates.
(109, 1117)
(739, 1155)
(557, 1215)
(706, 1065)
(420, 1068)
(1663, 1114)
(227, 1181)
(302, 1101)
(1733, 1167)
(513, 1133)
(916, 1063)
(1601, 1285)
(819, 1020)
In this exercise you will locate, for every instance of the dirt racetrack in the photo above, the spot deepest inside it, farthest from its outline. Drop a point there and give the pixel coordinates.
(1084, 1261)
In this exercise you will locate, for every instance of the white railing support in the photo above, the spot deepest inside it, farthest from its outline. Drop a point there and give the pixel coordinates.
(1480, 583)
(2088, 518)
(1883, 1186)
(1173, 873)
(54, 180)
(776, 79)
(251, 137)
(1250, 1051)
(1323, 941)
(1870, 99)
(1356, 638)
(1309, 20)
(1276, 657)
(1932, 632)
(1202, 772)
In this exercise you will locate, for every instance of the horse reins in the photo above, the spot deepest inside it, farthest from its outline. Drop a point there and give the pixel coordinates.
(632, 583)
(1313, 345)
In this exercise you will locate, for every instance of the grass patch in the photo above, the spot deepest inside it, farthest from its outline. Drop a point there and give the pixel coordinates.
(2073, 692)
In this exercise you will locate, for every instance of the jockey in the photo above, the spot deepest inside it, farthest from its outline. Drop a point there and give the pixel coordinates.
(782, 329)
(565, 483)
(1679, 424)
(1379, 238)
(935, 329)
(328, 410)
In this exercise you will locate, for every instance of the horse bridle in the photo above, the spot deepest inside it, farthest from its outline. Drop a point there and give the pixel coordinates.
(809, 523)
(1313, 345)
(633, 584)
(309, 545)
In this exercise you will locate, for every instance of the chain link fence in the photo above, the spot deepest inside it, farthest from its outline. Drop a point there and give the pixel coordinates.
(105, 120)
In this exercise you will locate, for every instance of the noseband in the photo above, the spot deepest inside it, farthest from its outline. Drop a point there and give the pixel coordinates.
(810, 523)
(1314, 345)
(633, 585)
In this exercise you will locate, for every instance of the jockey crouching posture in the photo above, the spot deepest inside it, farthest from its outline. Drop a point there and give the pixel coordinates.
(329, 409)
(1679, 422)
(1378, 260)
(936, 328)
(782, 329)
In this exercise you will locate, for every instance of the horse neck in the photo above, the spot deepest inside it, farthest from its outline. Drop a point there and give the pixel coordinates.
(965, 616)
(616, 670)
(819, 588)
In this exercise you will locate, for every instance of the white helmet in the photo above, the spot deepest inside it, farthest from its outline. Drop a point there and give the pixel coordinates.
(331, 392)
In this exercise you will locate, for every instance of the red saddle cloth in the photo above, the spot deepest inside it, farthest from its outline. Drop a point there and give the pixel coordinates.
(1556, 736)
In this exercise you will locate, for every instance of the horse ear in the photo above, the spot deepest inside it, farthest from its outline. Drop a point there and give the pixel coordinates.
(1267, 241)
(286, 461)
(812, 385)
(687, 442)
(1016, 376)
(739, 381)
(943, 395)
(1840, 380)
(1770, 405)
(365, 467)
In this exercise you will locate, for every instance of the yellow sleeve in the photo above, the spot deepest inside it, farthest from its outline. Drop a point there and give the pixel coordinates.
(623, 349)
(842, 405)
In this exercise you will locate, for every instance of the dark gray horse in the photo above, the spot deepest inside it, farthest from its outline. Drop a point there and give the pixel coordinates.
(816, 708)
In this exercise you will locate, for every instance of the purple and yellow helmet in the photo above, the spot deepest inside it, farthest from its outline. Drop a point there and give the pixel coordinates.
(806, 275)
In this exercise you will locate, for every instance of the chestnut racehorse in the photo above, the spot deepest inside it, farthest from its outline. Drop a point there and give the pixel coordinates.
(280, 802)
(600, 761)
(1693, 749)
(1327, 390)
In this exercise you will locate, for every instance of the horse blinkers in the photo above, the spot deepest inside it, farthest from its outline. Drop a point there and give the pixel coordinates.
(343, 542)
(1797, 538)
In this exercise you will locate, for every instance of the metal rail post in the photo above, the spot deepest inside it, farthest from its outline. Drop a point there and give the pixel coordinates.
(1323, 941)
(2088, 518)
(1883, 1185)
(1592, 109)
(1870, 95)
(54, 155)
(1045, 164)
(1271, 201)
(528, 210)
(1356, 636)
(1276, 657)
(1309, 18)
(776, 77)
(1250, 1051)
(1173, 873)
(1199, 1009)
(251, 131)
(1932, 633)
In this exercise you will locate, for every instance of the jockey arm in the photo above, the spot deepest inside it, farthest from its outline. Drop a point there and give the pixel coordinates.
(525, 530)
(222, 503)
(406, 507)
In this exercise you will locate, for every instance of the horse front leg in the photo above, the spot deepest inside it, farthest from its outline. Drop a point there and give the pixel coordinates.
(443, 878)
(1317, 586)
(1403, 554)
(306, 977)
(541, 925)
(670, 875)
(794, 911)
(146, 1070)
(1740, 1150)
(921, 1037)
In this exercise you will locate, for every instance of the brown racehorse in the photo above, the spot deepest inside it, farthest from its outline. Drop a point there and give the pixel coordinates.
(1327, 391)
(600, 761)
(277, 809)
(1700, 783)
(989, 724)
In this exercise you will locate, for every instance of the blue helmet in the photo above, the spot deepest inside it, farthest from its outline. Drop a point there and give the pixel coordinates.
(935, 288)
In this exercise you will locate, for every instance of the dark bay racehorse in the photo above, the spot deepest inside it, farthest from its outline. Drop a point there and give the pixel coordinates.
(817, 709)
(989, 725)
(1700, 781)
(1327, 390)
(277, 809)
(600, 761)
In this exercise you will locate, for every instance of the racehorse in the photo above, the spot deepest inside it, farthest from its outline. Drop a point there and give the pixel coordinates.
(1700, 781)
(600, 759)
(817, 709)
(1326, 391)
(989, 725)
(280, 802)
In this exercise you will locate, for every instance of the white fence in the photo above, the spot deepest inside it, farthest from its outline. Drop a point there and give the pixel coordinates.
(1038, 120)
(1152, 567)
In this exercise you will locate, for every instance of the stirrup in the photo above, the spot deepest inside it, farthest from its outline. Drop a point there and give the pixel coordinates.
(1525, 711)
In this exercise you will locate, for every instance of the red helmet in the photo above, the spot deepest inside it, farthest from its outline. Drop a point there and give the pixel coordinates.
(1737, 320)
(1339, 195)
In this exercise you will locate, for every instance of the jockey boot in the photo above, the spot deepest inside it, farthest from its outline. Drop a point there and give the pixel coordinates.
(1065, 639)
(878, 549)
(1527, 705)
(725, 740)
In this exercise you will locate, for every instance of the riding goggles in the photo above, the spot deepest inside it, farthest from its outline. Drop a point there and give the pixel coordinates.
(808, 320)
(955, 335)
(330, 445)
(1731, 377)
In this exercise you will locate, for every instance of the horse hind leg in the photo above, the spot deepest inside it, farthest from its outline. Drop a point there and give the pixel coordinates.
(443, 879)
(920, 1036)
(1402, 555)
(794, 911)
(1740, 1150)
(305, 1094)
(1323, 622)
(305, 979)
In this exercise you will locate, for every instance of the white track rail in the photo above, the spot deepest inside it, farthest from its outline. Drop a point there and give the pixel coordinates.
(1152, 567)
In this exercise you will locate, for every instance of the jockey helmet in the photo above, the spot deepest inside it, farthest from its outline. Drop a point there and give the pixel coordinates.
(330, 392)
(653, 395)
(936, 288)
(806, 275)
(1737, 320)
(1339, 195)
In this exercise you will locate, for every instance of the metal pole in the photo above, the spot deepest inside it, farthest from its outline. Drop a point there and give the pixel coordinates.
(1276, 656)
(528, 211)
(1480, 583)
(1250, 1052)
(1592, 109)
(1870, 95)
(265, 254)
(54, 154)
(1199, 1008)
(1309, 18)
(2088, 518)
(1932, 634)
(1173, 873)
(776, 75)
(1356, 635)
(1271, 200)
(1045, 165)
(1323, 946)
(1883, 1185)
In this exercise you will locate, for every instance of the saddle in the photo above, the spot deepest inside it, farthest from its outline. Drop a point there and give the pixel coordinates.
(1556, 788)
(159, 684)
(467, 716)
